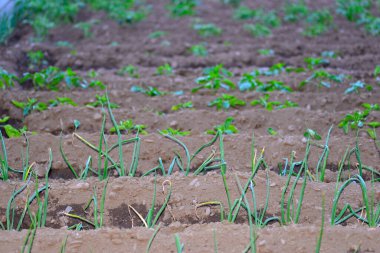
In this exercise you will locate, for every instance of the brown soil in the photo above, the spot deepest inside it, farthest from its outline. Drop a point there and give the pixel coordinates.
(319, 109)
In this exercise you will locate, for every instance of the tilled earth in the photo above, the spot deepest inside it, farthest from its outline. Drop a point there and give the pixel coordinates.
(198, 227)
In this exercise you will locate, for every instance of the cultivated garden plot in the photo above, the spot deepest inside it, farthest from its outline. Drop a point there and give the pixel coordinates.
(190, 126)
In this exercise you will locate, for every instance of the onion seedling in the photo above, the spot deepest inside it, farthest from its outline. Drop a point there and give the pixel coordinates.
(98, 209)
(151, 220)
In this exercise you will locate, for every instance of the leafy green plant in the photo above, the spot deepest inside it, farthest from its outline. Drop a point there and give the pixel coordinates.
(180, 8)
(36, 59)
(180, 106)
(51, 77)
(322, 78)
(123, 11)
(86, 27)
(30, 105)
(271, 131)
(63, 43)
(226, 128)
(7, 80)
(13, 132)
(270, 105)
(157, 34)
(128, 126)
(318, 23)
(358, 119)
(251, 82)
(294, 12)
(61, 101)
(164, 70)
(101, 101)
(258, 30)
(130, 70)
(244, 13)
(226, 101)
(175, 132)
(44, 15)
(273, 70)
(233, 3)
(313, 62)
(372, 26)
(214, 78)
(149, 91)
(199, 50)
(353, 10)
(207, 30)
(266, 52)
(376, 73)
(356, 86)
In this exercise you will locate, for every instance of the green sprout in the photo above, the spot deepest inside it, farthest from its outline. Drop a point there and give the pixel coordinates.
(180, 246)
(98, 209)
(175, 132)
(250, 81)
(356, 86)
(199, 50)
(294, 12)
(372, 26)
(86, 27)
(44, 15)
(123, 11)
(271, 131)
(101, 101)
(312, 135)
(226, 128)
(376, 73)
(318, 22)
(270, 105)
(233, 3)
(151, 220)
(258, 30)
(266, 52)
(164, 70)
(51, 77)
(180, 106)
(358, 119)
(244, 13)
(214, 78)
(149, 91)
(353, 10)
(36, 59)
(207, 30)
(313, 62)
(130, 70)
(180, 8)
(61, 101)
(31, 105)
(128, 126)
(323, 78)
(226, 101)
(7, 80)
(13, 132)
(157, 34)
